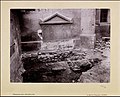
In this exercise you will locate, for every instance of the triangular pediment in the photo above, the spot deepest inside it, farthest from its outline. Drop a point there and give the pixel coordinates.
(56, 19)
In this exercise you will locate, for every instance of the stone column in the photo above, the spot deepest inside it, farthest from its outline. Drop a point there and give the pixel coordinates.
(87, 36)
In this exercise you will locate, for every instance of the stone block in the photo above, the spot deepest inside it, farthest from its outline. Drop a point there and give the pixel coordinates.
(85, 42)
(60, 45)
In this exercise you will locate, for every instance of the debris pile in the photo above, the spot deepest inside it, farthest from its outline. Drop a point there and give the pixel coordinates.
(80, 66)
(54, 57)
(102, 44)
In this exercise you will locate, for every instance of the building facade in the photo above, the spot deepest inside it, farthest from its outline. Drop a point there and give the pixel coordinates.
(84, 26)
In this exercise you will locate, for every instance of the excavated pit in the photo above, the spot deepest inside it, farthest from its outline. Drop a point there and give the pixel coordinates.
(55, 66)
(68, 66)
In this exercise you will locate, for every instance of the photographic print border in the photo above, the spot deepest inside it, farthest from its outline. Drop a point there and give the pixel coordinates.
(86, 89)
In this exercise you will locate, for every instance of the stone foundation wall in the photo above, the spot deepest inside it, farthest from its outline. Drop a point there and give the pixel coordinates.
(83, 42)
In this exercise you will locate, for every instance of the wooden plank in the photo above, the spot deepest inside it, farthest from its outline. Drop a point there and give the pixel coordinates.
(31, 42)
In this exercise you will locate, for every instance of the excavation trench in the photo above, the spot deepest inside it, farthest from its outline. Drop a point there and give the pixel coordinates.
(63, 67)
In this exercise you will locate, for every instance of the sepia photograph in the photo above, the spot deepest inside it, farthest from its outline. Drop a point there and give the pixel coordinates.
(60, 45)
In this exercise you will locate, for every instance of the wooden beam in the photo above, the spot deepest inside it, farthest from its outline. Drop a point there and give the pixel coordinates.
(31, 42)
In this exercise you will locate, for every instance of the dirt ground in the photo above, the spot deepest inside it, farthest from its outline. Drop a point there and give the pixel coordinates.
(100, 73)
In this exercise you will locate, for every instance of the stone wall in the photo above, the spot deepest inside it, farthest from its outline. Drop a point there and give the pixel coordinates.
(83, 25)
(31, 23)
(86, 23)
(87, 36)
(15, 51)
